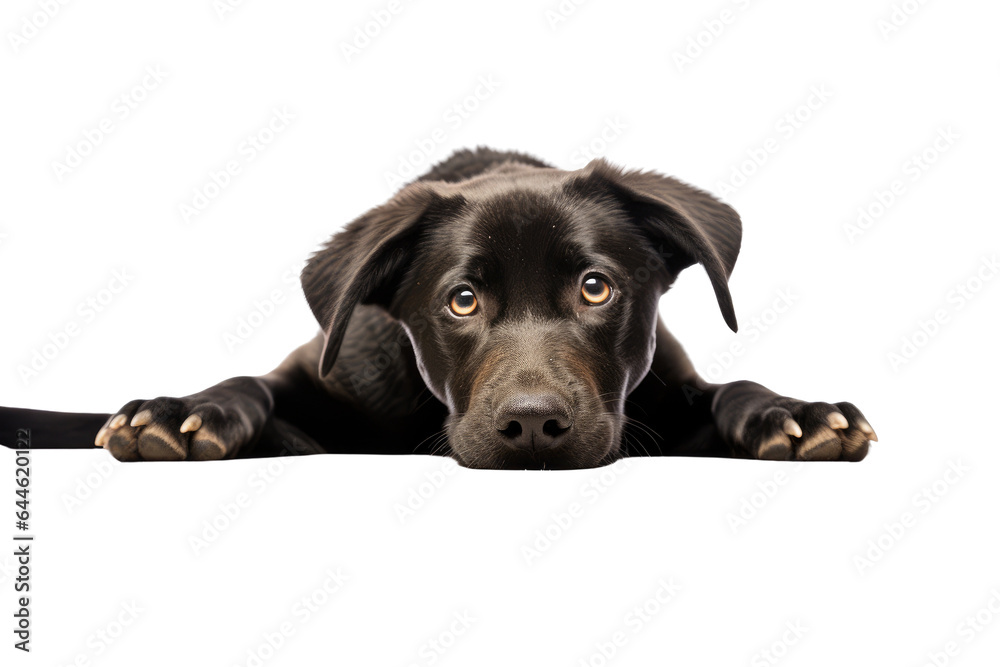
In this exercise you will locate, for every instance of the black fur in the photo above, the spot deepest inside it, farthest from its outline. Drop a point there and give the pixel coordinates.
(536, 377)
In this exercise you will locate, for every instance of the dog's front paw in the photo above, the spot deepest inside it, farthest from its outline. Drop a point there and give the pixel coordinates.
(175, 429)
(788, 429)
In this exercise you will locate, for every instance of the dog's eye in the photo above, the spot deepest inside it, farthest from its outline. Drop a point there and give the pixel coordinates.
(464, 302)
(596, 290)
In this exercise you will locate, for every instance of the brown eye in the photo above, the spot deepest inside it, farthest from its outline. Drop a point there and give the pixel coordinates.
(595, 290)
(464, 302)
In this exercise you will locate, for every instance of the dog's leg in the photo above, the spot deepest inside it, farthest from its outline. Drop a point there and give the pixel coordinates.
(241, 417)
(212, 424)
(758, 423)
(740, 419)
(358, 408)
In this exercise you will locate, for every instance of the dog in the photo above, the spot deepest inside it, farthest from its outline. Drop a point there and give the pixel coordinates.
(500, 311)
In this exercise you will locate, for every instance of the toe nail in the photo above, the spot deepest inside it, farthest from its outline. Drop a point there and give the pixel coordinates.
(117, 422)
(837, 420)
(867, 429)
(142, 418)
(192, 423)
(99, 440)
(792, 428)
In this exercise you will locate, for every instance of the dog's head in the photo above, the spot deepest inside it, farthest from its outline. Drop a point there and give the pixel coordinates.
(530, 297)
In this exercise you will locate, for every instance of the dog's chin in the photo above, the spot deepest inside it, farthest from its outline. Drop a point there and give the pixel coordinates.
(550, 460)
(593, 450)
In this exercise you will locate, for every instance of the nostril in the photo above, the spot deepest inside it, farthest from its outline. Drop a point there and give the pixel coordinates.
(552, 428)
(512, 431)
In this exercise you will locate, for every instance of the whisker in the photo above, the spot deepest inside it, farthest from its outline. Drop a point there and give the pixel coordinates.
(436, 436)
(643, 429)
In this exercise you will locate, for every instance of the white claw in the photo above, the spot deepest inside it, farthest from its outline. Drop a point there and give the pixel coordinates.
(792, 428)
(837, 420)
(117, 422)
(142, 418)
(99, 440)
(867, 429)
(192, 423)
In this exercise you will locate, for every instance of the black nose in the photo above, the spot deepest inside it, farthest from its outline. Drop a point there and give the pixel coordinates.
(533, 421)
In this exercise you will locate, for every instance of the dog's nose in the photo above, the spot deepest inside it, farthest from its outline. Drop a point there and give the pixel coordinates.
(533, 421)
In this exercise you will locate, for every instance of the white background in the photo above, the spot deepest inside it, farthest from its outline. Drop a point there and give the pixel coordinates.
(110, 535)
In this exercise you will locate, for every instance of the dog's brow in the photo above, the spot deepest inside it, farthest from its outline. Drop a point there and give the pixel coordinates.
(471, 270)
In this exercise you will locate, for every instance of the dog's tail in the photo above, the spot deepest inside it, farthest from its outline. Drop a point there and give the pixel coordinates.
(40, 429)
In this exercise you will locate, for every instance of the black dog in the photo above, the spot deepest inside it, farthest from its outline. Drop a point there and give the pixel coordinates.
(512, 304)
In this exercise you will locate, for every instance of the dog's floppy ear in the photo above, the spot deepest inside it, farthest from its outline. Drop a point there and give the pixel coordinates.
(363, 264)
(694, 222)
